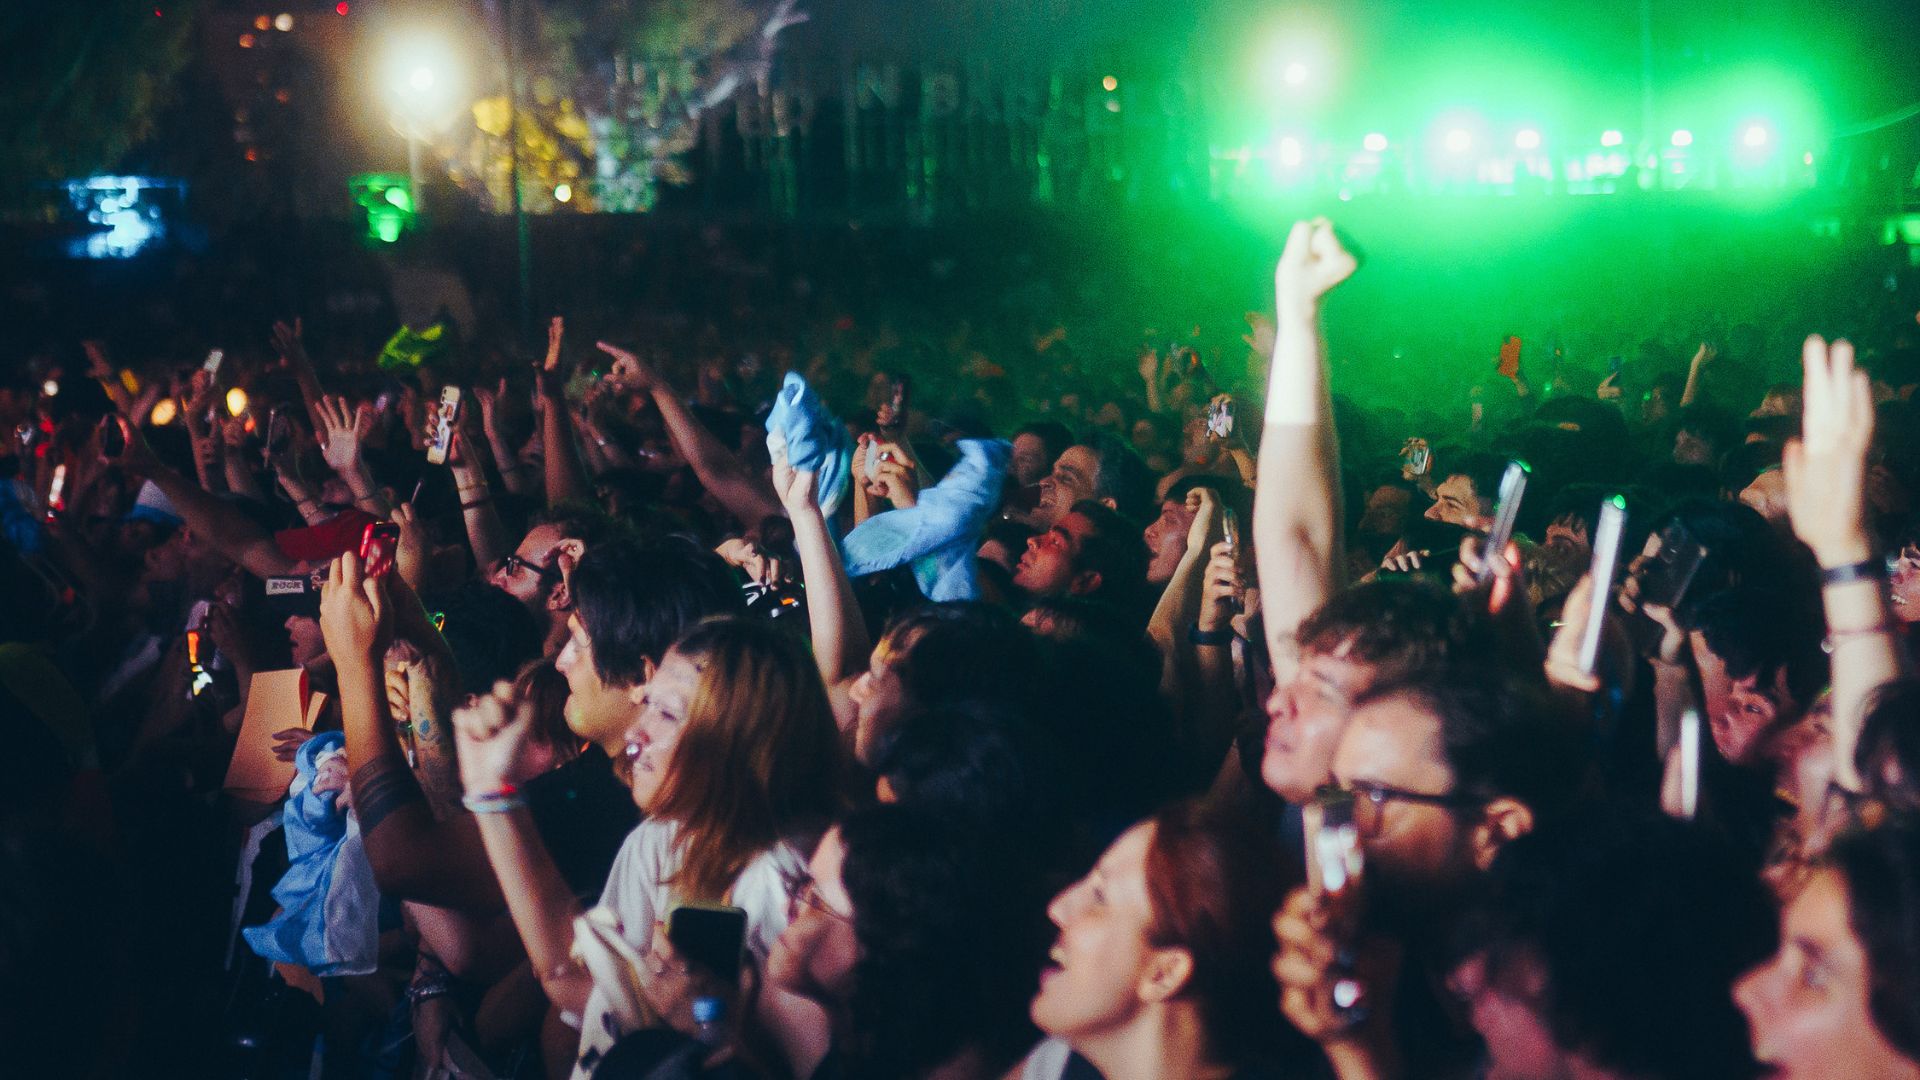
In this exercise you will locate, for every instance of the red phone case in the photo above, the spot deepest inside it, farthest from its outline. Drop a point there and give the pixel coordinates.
(377, 547)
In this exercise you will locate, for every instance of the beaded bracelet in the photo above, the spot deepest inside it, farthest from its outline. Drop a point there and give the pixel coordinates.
(495, 802)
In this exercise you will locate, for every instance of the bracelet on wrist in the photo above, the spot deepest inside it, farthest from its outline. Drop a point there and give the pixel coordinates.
(506, 798)
(1836, 638)
(1211, 638)
(1848, 573)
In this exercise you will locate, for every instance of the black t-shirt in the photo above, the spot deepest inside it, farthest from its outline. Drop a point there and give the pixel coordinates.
(584, 814)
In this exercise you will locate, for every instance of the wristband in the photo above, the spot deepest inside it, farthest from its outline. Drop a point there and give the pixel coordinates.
(495, 802)
(1197, 636)
(1835, 638)
(1847, 574)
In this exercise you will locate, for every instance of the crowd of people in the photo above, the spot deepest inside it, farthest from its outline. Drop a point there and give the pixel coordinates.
(841, 710)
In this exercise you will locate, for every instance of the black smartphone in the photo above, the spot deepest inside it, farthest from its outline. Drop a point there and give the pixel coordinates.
(113, 441)
(714, 936)
(1667, 578)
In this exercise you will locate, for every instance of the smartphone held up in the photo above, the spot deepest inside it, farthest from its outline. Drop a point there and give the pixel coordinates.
(446, 420)
(377, 548)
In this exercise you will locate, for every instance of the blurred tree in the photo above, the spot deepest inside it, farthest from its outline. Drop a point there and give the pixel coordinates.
(85, 82)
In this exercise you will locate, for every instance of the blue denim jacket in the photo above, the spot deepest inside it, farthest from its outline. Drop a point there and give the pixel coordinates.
(940, 533)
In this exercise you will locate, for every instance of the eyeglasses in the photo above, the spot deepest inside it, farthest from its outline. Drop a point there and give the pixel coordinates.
(513, 564)
(802, 892)
(1370, 801)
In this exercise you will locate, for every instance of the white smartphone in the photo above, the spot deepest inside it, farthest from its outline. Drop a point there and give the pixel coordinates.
(1689, 763)
(57, 491)
(1506, 511)
(212, 364)
(1606, 556)
(443, 427)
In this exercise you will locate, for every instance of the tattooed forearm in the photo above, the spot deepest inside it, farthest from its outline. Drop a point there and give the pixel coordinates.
(380, 787)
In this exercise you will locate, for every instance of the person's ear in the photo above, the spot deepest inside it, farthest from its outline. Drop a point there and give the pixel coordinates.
(1085, 582)
(1502, 821)
(638, 691)
(1167, 973)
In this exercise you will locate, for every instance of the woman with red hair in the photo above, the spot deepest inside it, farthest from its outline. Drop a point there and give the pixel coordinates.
(1157, 970)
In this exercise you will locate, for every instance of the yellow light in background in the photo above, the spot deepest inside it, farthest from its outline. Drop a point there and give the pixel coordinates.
(165, 411)
(129, 380)
(51, 387)
(1110, 83)
(236, 401)
(283, 22)
(563, 192)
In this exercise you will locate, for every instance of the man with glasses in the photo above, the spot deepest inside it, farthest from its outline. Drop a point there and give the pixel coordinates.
(1443, 770)
(535, 572)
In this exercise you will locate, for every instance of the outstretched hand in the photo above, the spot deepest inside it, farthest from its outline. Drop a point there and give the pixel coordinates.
(1312, 263)
(556, 331)
(356, 618)
(796, 487)
(1826, 467)
(345, 428)
(629, 371)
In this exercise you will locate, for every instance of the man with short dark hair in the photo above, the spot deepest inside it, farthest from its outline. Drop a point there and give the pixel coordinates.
(1091, 551)
(1102, 469)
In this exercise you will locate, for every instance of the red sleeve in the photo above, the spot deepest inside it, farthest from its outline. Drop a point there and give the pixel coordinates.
(327, 540)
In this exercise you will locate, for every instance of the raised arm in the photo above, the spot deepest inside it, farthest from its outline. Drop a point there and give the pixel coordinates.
(217, 522)
(414, 856)
(1296, 514)
(486, 533)
(492, 735)
(840, 644)
(291, 345)
(1826, 470)
(344, 430)
(566, 479)
(746, 496)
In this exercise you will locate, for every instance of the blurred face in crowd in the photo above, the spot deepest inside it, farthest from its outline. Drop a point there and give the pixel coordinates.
(531, 573)
(654, 736)
(1751, 714)
(1806, 1008)
(1167, 541)
(1070, 481)
(1305, 719)
(1904, 584)
(814, 956)
(1690, 449)
(1050, 565)
(1394, 744)
(309, 648)
(1456, 503)
(1386, 514)
(1567, 539)
(1030, 461)
(879, 696)
(1102, 970)
(1520, 1045)
(596, 710)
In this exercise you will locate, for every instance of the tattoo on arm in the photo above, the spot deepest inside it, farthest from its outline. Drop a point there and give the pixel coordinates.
(380, 787)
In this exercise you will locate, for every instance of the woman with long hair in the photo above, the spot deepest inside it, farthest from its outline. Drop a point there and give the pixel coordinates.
(735, 761)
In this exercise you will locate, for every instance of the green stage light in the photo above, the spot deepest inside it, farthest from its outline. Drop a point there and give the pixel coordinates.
(401, 199)
(1375, 142)
(1527, 139)
(1296, 74)
(1458, 140)
(1683, 137)
(1292, 153)
(1756, 136)
(1611, 137)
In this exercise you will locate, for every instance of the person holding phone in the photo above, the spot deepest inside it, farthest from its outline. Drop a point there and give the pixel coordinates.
(742, 700)
(1443, 771)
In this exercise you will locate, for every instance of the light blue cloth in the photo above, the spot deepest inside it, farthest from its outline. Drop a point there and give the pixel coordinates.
(817, 442)
(329, 920)
(940, 533)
